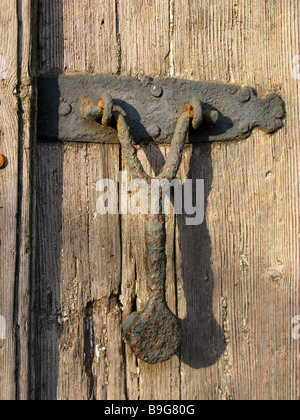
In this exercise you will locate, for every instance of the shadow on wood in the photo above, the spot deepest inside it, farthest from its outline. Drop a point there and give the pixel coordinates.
(203, 338)
(48, 305)
(49, 221)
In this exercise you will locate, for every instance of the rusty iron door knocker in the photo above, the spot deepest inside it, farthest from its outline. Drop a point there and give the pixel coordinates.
(154, 334)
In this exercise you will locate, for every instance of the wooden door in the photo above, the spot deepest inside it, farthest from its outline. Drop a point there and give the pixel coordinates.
(69, 275)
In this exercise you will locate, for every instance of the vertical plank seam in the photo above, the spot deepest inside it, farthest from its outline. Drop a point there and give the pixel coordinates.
(33, 247)
(33, 273)
(32, 63)
(20, 111)
(89, 307)
(119, 70)
(172, 74)
(297, 161)
(118, 39)
(177, 296)
(23, 390)
(120, 284)
(171, 37)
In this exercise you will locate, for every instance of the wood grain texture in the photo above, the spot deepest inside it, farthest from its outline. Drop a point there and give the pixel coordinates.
(27, 15)
(143, 30)
(80, 338)
(234, 280)
(17, 125)
(9, 193)
(78, 37)
(253, 209)
(83, 350)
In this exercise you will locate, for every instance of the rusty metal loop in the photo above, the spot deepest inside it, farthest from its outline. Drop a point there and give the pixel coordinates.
(174, 157)
(196, 113)
(130, 152)
(89, 110)
(154, 335)
(106, 105)
(104, 110)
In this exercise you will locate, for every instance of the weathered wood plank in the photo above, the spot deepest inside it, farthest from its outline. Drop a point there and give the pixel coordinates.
(252, 210)
(27, 103)
(78, 37)
(49, 228)
(18, 24)
(143, 29)
(105, 274)
(9, 195)
(51, 36)
(89, 274)
(79, 272)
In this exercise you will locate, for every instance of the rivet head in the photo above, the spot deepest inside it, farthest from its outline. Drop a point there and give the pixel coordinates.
(147, 80)
(64, 109)
(153, 131)
(244, 128)
(2, 161)
(244, 95)
(156, 91)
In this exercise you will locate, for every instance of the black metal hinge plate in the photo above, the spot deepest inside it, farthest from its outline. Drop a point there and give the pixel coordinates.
(152, 107)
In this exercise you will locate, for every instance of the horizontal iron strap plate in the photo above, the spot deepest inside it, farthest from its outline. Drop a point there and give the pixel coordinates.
(152, 108)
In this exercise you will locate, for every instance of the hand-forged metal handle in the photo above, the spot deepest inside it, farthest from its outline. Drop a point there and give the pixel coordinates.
(154, 335)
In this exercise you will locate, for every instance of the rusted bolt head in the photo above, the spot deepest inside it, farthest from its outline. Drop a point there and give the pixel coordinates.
(89, 110)
(156, 91)
(244, 95)
(244, 128)
(147, 80)
(64, 109)
(2, 161)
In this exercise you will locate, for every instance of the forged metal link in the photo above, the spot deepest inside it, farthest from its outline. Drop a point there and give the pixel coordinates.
(106, 104)
(103, 110)
(130, 152)
(196, 112)
(154, 335)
